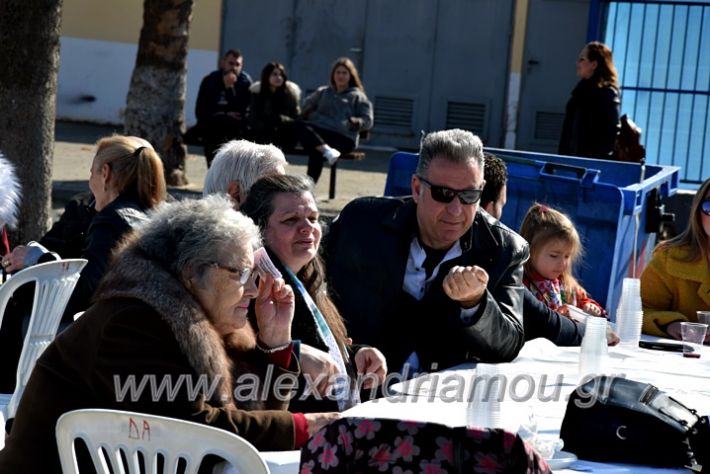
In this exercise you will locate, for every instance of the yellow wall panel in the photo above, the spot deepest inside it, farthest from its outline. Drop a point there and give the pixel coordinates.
(121, 21)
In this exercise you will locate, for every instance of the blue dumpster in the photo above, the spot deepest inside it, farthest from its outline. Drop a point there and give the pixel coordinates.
(614, 207)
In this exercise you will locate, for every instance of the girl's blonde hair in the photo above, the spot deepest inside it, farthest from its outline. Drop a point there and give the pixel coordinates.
(543, 224)
(137, 169)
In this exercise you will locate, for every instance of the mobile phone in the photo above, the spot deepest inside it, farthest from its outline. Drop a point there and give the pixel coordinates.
(665, 346)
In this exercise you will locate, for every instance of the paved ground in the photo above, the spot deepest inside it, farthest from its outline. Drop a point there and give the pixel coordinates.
(75, 148)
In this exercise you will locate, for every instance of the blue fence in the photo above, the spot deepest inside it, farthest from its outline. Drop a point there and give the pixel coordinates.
(662, 53)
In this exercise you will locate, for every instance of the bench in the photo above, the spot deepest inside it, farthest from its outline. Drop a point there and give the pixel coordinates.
(352, 156)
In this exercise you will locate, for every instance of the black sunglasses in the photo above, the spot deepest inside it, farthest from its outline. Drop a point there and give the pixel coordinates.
(705, 207)
(446, 195)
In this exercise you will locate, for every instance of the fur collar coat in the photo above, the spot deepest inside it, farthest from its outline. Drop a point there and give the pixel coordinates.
(144, 346)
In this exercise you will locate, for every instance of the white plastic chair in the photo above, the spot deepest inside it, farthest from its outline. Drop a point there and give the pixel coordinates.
(133, 442)
(54, 284)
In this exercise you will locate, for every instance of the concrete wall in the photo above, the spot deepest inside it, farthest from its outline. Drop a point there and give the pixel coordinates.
(98, 50)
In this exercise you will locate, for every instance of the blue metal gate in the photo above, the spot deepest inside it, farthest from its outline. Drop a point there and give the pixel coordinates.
(662, 53)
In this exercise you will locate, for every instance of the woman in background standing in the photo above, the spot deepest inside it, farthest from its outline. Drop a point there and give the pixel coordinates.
(592, 115)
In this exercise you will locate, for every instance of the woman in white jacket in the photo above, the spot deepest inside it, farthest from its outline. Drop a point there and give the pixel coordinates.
(333, 117)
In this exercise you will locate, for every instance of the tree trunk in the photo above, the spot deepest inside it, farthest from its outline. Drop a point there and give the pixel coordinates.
(29, 35)
(156, 98)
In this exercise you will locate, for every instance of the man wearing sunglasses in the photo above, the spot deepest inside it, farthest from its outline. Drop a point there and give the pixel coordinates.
(430, 279)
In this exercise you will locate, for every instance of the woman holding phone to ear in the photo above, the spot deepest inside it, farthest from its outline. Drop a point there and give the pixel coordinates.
(285, 210)
(674, 285)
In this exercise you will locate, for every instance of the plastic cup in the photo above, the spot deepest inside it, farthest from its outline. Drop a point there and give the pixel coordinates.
(483, 409)
(693, 335)
(703, 317)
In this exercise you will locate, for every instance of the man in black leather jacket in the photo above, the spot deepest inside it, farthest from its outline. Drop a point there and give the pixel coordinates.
(431, 283)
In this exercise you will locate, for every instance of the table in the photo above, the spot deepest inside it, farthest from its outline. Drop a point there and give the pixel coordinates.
(538, 381)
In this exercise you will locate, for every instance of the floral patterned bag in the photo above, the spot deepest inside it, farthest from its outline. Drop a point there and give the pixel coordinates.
(355, 445)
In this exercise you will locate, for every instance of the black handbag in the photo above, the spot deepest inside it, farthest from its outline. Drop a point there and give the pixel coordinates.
(613, 419)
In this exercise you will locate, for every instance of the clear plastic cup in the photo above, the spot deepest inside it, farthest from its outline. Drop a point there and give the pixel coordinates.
(693, 335)
(703, 317)
(483, 409)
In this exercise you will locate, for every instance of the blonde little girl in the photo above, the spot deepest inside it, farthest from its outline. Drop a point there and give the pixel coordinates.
(554, 248)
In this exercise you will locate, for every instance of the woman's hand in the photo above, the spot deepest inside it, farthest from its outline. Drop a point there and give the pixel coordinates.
(316, 421)
(355, 124)
(371, 363)
(15, 260)
(673, 330)
(612, 338)
(274, 306)
(319, 368)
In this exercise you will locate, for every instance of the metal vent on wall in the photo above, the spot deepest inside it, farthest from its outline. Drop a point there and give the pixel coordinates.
(393, 112)
(466, 116)
(548, 125)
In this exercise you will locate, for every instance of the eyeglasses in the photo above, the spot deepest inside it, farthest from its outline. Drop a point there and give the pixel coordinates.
(705, 207)
(446, 195)
(244, 274)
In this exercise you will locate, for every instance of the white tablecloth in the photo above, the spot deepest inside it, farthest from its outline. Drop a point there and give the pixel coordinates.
(538, 382)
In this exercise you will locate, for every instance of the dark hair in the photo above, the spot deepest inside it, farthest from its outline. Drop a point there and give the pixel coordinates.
(496, 175)
(605, 73)
(259, 205)
(694, 236)
(233, 52)
(266, 75)
(350, 66)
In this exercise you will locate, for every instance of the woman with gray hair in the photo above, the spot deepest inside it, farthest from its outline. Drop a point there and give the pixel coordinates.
(157, 340)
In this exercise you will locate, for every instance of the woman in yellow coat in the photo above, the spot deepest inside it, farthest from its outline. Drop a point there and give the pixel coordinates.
(676, 282)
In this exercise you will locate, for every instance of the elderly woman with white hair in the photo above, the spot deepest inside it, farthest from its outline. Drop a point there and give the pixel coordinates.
(9, 201)
(165, 311)
(240, 163)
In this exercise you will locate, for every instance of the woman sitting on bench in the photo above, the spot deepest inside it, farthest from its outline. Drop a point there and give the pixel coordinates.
(333, 116)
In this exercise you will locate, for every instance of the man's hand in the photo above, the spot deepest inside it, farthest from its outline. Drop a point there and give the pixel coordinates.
(466, 285)
(371, 363)
(316, 421)
(274, 311)
(229, 78)
(319, 366)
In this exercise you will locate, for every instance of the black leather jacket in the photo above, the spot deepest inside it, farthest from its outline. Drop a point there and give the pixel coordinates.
(367, 249)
